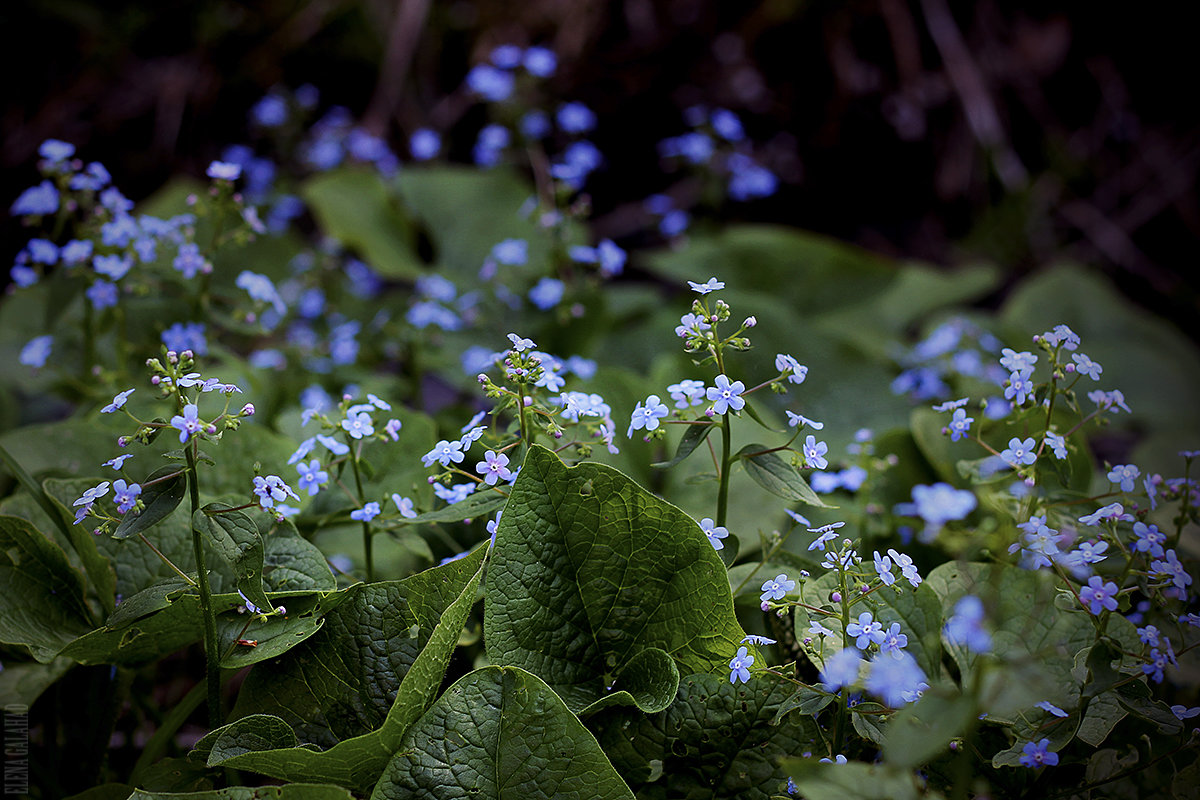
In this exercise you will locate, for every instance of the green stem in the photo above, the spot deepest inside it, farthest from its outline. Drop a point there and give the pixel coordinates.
(212, 657)
(723, 488)
(963, 771)
(366, 526)
(526, 432)
(843, 715)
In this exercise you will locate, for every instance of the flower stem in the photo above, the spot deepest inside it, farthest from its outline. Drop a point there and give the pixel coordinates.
(723, 487)
(368, 556)
(212, 667)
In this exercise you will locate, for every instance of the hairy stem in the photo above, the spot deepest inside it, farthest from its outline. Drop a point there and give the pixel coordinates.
(212, 666)
(723, 488)
(366, 526)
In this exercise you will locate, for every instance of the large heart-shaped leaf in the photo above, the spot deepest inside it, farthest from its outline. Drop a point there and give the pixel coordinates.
(502, 733)
(716, 740)
(365, 667)
(590, 570)
(41, 595)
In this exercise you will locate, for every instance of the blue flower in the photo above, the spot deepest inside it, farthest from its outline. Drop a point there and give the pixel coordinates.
(841, 669)
(725, 395)
(758, 641)
(404, 505)
(749, 179)
(1019, 452)
(893, 639)
(490, 83)
(710, 285)
(55, 150)
(575, 117)
(727, 125)
(519, 344)
(540, 61)
(866, 630)
(714, 532)
(814, 452)
(454, 494)
(547, 293)
(367, 513)
(965, 626)
(223, 171)
(883, 567)
(189, 261)
(444, 452)
(825, 533)
(272, 489)
(125, 495)
(188, 423)
(1018, 389)
(1085, 366)
(312, 477)
(1046, 705)
(512, 252)
(1018, 363)
(687, 393)
(40, 200)
(118, 462)
(907, 568)
(358, 425)
(791, 368)
(186, 336)
(424, 144)
(777, 587)
(36, 351)
(895, 678)
(118, 401)
(647, 416)
(1149, 539)
(960, 425)
(77, 251)
(494, 467)
(1037, 755)
(1125, 475)
(738, 667)
(102, 295)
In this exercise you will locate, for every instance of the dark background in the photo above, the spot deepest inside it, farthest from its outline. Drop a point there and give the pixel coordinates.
(1020, 133)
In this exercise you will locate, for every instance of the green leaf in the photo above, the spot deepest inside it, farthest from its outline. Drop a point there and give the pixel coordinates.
(160, 500)
(235, 536)
(1148, 358)
(41, 595)
(272, 636)
(291, 563)
(589, 570)
(919, 612)
(466, 211)
(693, 435)
(23, 683)
(500, 732)
(144, 640)
(335, 683)
(353, 206)
(82, 542)
(807, 700)
(291, 791)
(716, 740)
(647, 682)
(777, 476)
(854, 781)
(921, 731)
(152, 598)
(476, 505)
(1028, 629)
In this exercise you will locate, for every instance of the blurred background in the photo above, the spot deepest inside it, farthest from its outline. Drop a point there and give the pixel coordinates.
(1017, 133)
